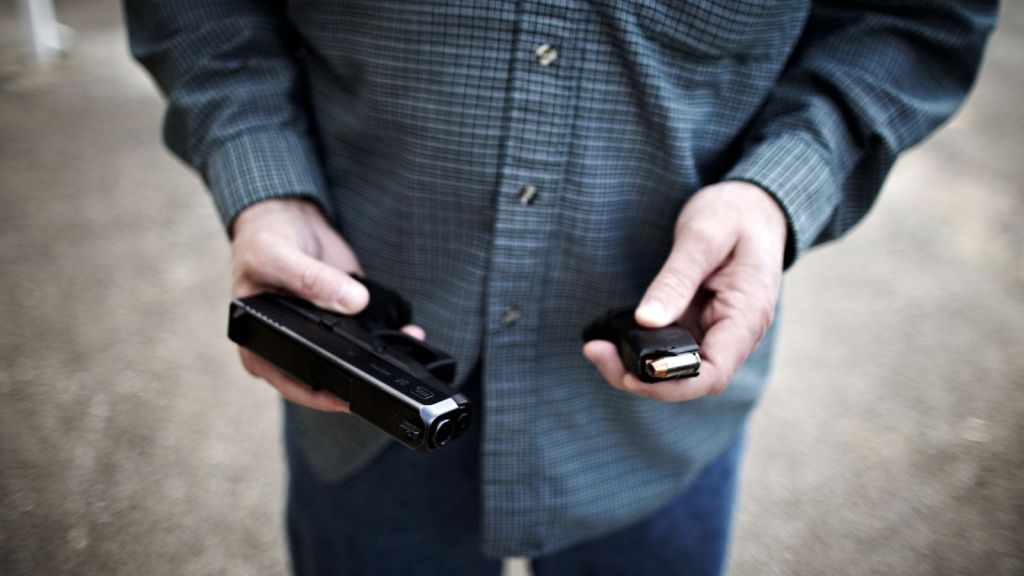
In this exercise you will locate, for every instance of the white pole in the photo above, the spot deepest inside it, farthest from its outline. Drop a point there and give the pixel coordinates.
(39, 30)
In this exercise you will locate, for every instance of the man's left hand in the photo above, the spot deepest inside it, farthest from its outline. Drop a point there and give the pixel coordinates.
(721, 281)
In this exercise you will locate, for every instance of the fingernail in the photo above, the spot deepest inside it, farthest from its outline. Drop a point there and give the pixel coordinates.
(346, 300)
(340, 304)
(651, 311)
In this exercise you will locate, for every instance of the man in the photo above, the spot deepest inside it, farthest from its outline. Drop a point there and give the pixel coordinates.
(515, 169)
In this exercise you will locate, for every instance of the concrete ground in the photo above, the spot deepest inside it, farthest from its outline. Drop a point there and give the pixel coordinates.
(131, 442)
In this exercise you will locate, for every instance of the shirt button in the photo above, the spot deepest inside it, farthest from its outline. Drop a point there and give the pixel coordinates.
(527, 194)
(546, 54)
(511, 316)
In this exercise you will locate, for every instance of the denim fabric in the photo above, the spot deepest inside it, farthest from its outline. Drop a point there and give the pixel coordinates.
(413, 513)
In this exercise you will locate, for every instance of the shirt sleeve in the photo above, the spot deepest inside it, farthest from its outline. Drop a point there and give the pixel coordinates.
(867, 80)
(236, 109)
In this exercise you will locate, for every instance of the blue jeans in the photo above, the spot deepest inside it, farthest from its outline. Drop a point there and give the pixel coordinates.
(419, 513)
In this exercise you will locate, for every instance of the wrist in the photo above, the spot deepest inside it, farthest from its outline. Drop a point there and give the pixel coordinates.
(294, 208)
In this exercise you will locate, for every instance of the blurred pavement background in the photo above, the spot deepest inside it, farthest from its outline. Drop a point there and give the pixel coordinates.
(131, 442)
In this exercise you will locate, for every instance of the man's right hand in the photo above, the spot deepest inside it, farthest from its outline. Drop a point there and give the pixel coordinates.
(286, 245)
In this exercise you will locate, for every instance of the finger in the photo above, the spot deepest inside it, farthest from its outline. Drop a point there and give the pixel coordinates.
(693, 317)
(696, 253)
(414, 331)
(605, 356)
(738, 316)
(322, 284)
(289, 388)
(727, 344)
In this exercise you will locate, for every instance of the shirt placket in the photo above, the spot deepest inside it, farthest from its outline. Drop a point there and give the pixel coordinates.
(538, 131)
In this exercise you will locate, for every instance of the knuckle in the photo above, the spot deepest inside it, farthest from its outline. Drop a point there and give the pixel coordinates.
(754, 313)
(702, 239)
(250, 262)
(676, 282)
(759, 315)
(700, 231)
(720, 380)
(311, 280)
(263, 240)
(629, 384)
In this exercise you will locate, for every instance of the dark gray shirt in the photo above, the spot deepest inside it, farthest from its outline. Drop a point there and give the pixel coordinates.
(515, 168)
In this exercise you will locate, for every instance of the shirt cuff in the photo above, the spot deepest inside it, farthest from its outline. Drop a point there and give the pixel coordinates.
(257, 166)
(793, 169)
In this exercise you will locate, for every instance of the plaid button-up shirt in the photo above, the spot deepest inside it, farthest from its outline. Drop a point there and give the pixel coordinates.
(516, 168)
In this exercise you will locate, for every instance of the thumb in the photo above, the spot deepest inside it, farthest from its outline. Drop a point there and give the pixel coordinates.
(695, 254)
(322, 284)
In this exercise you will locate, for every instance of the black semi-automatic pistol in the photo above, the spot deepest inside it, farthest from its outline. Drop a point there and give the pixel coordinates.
(393, 381)
(652, 355)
